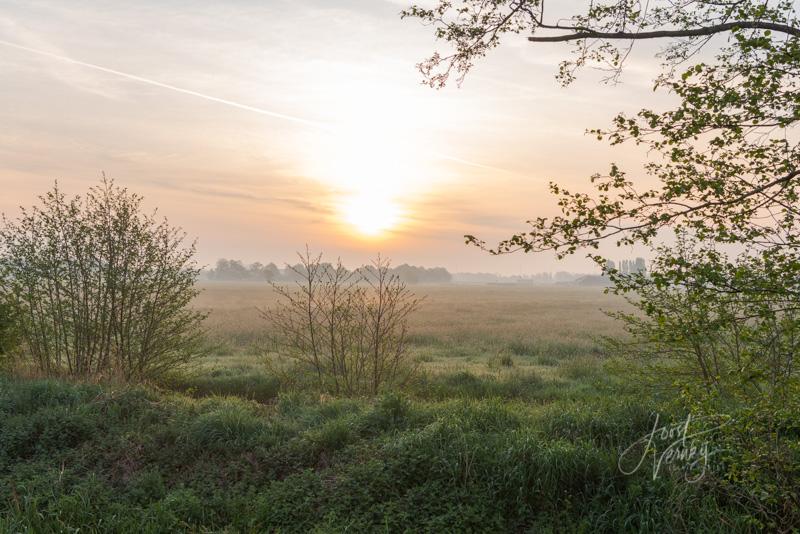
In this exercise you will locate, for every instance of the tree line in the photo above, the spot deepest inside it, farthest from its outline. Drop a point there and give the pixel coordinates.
(235, 270)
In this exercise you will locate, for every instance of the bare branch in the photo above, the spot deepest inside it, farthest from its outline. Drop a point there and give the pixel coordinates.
(658, 34)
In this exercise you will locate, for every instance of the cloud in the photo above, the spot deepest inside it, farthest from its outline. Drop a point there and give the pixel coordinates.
(169, 87)
(299, 202)
(68, 73)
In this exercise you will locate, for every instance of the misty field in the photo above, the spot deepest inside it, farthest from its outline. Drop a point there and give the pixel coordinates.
(485, 331)
(515, 422)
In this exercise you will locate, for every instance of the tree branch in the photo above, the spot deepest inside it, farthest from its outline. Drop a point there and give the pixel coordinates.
(710, 30)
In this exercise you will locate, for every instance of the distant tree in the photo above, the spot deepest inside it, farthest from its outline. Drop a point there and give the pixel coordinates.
(100, 286)
(439, 275)
(271, 272)
(407, 273)
(421, 275)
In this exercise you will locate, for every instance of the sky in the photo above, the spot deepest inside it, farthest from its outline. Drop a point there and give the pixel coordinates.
(260, 126)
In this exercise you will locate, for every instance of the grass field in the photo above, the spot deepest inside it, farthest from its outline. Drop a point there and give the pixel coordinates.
(514, 424)
(544, 330)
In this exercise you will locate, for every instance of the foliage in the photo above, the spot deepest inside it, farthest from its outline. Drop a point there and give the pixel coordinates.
(726, 159)
(88, 458)
(228, 270)
(235, 270)
(754, 458)
(349, 327)
(728, 156)
(703, 335)
(103, 287)
(717, 314)
(8, 332)
(728, 166)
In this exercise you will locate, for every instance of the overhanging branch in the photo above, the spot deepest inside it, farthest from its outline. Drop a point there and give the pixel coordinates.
(696, 32)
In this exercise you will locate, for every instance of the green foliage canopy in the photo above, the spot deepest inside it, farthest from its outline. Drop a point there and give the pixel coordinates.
(726, 157)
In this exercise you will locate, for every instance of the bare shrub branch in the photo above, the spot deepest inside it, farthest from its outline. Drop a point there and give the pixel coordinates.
(348, 328)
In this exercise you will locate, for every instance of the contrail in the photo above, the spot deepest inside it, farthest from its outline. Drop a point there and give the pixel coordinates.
(472, 163)
(230, 103)
(156, 83)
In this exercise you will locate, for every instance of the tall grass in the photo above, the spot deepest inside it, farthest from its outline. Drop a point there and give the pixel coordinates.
(91, 458)
(511, 427)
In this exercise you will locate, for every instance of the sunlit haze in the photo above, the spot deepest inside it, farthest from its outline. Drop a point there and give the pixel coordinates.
(260, 127)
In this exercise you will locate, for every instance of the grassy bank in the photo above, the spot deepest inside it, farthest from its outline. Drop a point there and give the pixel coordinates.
(514, 424)
(100, 459)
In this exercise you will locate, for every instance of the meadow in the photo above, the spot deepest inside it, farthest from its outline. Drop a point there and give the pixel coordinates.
(514, 423)
(483, 330)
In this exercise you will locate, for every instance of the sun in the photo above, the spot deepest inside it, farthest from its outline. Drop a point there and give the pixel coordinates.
(371, 214)
(376, 163)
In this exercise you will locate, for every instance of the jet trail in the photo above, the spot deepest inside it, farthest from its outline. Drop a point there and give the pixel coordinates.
(230, 103)
(156, 83)
(473, 163)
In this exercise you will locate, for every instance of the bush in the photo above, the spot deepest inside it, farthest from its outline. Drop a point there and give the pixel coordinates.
(693, 331)
(758, 461)
(103, 286)
(348, 328)
(9, 335)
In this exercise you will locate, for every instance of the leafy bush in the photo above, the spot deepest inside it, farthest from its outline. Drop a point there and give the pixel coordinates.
(104, 287)
(758, 460)
(711, 325)
(9, 332)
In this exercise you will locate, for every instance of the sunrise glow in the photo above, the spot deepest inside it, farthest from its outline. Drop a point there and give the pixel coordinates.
(370, 214)
(335, 142)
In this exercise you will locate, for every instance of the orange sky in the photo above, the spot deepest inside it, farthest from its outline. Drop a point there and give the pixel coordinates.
(260, 126)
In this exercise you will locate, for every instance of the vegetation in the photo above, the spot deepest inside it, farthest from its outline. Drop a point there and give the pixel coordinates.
(349, 328)
(471, 444)
(516, 420)
(100, 287)
(88, 457)
(234, 270)
(731, 345)
(8, 333)
(725, 157)
(716, 315)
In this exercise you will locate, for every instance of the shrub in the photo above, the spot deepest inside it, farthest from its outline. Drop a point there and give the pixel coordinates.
(9, 336)
(350, 328)
(103, 286)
